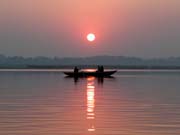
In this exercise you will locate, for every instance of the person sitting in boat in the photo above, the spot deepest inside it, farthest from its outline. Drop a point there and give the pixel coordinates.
(98, 69)
(102, 68)
(76, 70)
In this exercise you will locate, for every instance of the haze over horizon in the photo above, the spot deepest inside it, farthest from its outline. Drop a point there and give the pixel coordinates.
(138, 28)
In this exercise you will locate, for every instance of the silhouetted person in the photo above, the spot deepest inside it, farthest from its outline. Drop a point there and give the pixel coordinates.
(102, 69)
(76, 70)
(98, 69)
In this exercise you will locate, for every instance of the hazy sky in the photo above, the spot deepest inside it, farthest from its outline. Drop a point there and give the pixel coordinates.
(145, 28)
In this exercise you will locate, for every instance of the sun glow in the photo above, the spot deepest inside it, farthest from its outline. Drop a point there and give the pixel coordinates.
(91, 37)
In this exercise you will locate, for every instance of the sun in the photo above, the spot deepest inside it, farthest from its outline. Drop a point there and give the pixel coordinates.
(91, 37)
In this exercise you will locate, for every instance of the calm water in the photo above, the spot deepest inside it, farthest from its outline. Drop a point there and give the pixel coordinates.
(131, 103)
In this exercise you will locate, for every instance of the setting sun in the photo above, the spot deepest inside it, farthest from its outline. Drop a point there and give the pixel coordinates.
(91, 37)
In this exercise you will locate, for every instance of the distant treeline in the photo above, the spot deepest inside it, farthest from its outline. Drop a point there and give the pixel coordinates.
(120, 62)
(105, 66)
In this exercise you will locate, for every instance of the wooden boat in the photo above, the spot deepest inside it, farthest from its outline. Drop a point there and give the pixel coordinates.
(86, 74)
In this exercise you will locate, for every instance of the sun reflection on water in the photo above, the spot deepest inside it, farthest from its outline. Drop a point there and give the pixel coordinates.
(91, 104)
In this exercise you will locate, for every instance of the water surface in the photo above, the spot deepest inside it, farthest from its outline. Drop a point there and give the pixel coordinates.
(131, 103)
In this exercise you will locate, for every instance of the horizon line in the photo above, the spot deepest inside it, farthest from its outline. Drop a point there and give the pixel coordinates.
(64, 57)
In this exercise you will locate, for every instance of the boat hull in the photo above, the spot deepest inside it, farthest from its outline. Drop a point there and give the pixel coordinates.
(86, 74)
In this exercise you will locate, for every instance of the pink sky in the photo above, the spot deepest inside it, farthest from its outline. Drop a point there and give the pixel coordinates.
(59, 27)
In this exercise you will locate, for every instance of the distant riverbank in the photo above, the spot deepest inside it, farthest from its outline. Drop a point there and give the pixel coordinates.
(91, 67)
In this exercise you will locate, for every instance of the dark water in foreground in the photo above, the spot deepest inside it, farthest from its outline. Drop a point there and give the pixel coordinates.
(131, 103)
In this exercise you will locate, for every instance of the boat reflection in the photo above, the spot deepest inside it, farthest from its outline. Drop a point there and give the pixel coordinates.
(76, 79)
(90, 104)
(100, 80)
